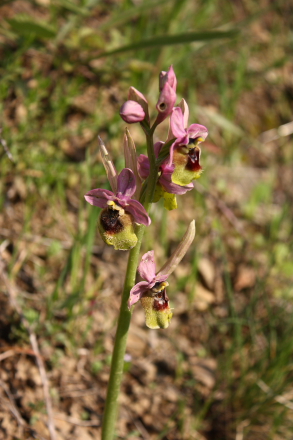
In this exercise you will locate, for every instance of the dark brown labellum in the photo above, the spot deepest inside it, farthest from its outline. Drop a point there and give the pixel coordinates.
(110, 221)
(193, 160)
(161, 301)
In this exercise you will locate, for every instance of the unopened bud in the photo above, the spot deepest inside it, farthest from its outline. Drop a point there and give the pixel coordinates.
(132, 112)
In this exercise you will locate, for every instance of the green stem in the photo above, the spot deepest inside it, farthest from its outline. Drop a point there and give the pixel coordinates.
(117, 364)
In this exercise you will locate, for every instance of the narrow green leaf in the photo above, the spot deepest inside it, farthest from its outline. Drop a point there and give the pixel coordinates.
(25, 26)
(169, 40)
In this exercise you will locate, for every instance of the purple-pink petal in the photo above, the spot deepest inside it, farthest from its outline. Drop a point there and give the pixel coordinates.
(126, 183)
(177, 123)
(197, 130)
(143, 166)
(138, 212)
(173, 188)
(172, 80)
(157, 148)
(161, 278)
(99, 197)
(137, 291)
(147, 267)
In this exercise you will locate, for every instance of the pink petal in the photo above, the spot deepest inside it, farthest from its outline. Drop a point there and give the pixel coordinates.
(143, 165)
(171, 153)
(138, 212)
(197, 130)
(185, 110)
(166, 181)
(157, 148)
(173, 188)
(137, 291)
(161, 278)
(168, 77)
(147, 267)
(99, 197)
(126, 183)
(177, 123)
(172, 80)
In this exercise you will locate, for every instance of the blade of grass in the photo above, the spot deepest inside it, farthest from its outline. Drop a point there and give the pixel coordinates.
(168, 40)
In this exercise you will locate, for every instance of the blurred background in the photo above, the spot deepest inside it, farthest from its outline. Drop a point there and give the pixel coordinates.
(224, 368)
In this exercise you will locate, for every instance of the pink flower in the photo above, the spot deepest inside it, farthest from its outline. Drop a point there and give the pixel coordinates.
(181, 132)
(147, 270)
(156, 283)
(167, 98)
(166, 171)
(131, 112)
(192, 135)
(125, 189)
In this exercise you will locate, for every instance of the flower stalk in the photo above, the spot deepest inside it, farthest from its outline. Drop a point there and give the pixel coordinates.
(117, 363)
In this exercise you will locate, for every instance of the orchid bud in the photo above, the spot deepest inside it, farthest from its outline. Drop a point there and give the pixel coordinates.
(169, 77)
(137, 96)
(167, 98)
(132, 112)
(117, 227)
(165, 103)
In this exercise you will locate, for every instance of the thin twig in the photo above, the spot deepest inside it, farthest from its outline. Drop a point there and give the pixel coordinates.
(276, 133)
(13, 299)
(14, 411)
(280, 399)
(12, 405)
(4, 145)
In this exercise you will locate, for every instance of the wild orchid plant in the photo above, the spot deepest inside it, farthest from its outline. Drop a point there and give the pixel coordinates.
(167, 170)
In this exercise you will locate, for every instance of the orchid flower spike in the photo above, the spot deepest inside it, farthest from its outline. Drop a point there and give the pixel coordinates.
(185, 151)
(165, 187)
(120, 211)
(167, 98)
(152, 292)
